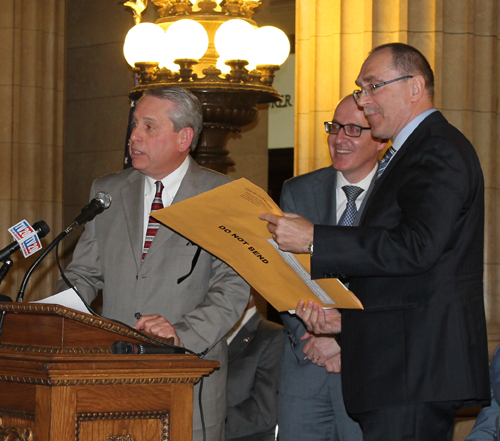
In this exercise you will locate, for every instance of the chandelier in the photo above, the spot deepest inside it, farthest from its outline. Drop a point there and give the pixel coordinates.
(215, 50)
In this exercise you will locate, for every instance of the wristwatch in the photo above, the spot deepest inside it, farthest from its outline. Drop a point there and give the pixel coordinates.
(310, 248)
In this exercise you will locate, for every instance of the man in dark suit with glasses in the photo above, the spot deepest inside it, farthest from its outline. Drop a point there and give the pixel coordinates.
(418, 351)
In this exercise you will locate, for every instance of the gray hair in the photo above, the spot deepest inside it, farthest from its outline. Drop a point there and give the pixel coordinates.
(187, 111)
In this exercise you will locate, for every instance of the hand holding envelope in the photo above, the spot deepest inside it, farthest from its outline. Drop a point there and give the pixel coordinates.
(318, 320)
(291, 232)
(225, 222)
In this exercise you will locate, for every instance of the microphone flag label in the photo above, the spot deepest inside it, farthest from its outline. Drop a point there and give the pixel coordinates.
(25, 235)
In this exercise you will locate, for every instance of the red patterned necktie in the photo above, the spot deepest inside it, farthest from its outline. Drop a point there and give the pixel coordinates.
(153, 224)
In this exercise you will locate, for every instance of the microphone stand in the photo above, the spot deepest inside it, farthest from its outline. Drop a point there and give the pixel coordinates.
(20, 295)
(96, 206)
(7, 265)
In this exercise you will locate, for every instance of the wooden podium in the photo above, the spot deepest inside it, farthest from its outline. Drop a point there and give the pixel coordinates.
(59, 381)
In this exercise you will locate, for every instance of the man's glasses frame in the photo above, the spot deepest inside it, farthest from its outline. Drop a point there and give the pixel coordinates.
(370, 89)
(353, 130)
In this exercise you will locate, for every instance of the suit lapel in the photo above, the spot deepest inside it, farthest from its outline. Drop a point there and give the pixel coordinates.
(133, 201)
(244, 336)
(191, 185)
(324, 193)
(411, 141)
(359, 214)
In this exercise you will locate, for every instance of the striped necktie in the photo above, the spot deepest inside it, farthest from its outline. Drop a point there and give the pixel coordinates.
(352, 192)
(385, 160)
(153, 224)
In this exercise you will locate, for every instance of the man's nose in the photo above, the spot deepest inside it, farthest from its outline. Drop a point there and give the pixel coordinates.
(363, 100)
(135, 133)
(341, 136)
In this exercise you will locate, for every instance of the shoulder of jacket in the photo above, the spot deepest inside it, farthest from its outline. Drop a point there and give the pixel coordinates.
(311, 176)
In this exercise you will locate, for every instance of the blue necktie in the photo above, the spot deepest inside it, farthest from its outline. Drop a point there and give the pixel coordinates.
(352, 192)
(385, 160)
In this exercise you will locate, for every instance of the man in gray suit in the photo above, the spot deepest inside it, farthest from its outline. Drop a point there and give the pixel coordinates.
(141, 265)
(311, 406)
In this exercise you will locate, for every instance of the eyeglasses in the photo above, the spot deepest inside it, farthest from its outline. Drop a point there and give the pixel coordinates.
(352, 130)
(370, 89)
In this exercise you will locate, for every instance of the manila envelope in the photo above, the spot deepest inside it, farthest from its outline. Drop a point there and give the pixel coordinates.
(224, 221)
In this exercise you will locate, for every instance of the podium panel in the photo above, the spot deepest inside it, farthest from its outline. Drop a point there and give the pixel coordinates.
(70, 388)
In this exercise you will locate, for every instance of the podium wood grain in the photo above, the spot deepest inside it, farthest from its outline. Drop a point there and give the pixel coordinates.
(58, 379)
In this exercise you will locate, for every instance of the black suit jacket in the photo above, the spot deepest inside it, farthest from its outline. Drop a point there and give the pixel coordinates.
(416, 264)
(253, 364)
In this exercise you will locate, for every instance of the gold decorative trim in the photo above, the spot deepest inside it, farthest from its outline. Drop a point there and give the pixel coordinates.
(15, 434)
(49, 350)
(93, 382)
(163, 415)
(127, 437)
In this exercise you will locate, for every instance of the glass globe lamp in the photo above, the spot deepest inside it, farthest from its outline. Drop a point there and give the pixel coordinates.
(185, 39)
(144, 43)
(233, 40)
(271, 46)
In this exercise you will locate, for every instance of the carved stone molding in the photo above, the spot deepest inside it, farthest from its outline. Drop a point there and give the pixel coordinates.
(163, 416)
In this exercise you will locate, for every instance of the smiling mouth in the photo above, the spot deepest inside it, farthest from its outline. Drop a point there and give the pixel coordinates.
(343, 151)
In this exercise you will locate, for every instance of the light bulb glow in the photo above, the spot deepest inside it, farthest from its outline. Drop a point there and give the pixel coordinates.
(271, 46)
(143, 42)
(224, 68)
(185, 39)
(233, 40)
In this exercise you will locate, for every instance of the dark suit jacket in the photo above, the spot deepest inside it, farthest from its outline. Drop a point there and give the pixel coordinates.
(416, 264)
(252, 400)
(312, 196)
(202, 308)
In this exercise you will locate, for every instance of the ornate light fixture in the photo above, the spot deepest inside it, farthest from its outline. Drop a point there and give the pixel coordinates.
(215, 50)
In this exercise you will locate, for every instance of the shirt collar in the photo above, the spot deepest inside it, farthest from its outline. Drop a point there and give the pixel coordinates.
(409, 128)
(364, 183)
(171, 182)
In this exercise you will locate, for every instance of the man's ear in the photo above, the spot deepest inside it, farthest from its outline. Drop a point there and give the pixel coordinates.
(185, 138)
(382, 145)
(417, 91)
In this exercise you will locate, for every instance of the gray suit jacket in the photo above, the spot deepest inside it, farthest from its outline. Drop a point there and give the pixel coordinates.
(252, 399)
(312, 196)
(202, 308)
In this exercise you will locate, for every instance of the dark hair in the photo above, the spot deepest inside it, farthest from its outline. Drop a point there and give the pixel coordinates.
(187, 112)
(410, 61)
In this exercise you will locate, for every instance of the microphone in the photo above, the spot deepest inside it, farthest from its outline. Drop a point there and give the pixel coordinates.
(124, 347)
(96, 206)
(41, 229)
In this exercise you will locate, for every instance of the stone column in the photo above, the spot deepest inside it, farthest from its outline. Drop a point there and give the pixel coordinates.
(459, 38)
(31, 129)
